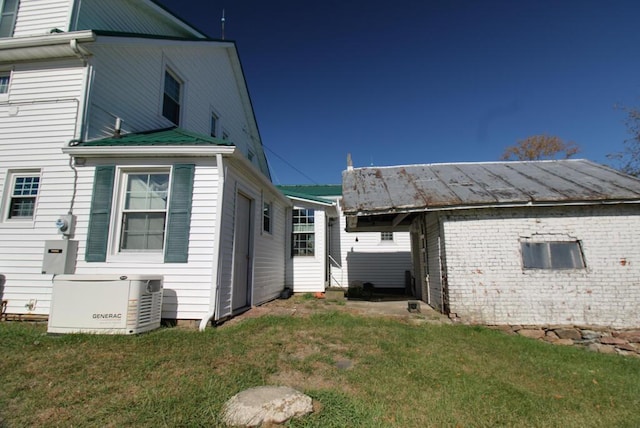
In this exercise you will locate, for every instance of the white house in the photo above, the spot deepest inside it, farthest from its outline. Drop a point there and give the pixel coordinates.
(139, 130)
(546, 242)
(324, 254)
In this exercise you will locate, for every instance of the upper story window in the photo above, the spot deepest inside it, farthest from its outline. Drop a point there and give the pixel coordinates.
(386, 236)
(303, 232)
(552, 255)
(250, 156)
(214, 125)
(225, 135)
(5, 77)
(24, 191)
(172, 97)
(8, 13)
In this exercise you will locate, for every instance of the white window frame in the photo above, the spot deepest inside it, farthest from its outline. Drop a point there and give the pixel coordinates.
(386, 237)
(309, 230)
(13, 15)
(549, 252)
(10, 187)
(4, 96)
(116, 252)
(171, 71)
(267, 214)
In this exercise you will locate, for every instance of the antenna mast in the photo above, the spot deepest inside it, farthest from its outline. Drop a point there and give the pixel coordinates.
(222, 24)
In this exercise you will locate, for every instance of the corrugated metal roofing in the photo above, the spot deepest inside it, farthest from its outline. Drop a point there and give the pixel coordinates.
(413, 188)
(161, 137)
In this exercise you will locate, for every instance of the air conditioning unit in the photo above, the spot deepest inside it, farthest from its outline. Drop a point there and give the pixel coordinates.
(105, 304)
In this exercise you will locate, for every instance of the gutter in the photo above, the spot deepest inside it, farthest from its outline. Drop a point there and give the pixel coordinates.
(147, 151)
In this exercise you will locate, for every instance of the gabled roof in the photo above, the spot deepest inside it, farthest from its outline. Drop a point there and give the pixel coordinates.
(415, 188)
(159, 137)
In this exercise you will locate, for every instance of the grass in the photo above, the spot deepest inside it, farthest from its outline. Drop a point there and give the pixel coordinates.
(403, 375)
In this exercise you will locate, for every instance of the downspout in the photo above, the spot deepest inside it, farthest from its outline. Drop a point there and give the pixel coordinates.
(213, 298)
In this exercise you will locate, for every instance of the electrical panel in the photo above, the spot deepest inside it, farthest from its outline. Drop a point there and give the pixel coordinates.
(59, 257)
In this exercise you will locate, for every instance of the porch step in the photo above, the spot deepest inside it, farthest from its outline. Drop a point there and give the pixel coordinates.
(334, 294)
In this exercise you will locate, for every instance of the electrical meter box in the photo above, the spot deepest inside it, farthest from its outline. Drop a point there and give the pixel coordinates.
(59, 257)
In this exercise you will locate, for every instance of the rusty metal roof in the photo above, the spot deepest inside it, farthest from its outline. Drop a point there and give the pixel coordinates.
(412, 188)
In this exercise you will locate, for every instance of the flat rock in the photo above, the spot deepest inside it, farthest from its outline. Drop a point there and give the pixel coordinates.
(631, 336)
(531, 333)
(266, 404)
(568, 333)
(609, 340)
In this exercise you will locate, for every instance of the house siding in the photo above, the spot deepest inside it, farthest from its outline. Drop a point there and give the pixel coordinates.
(127, 16)
(307, 273)
(50, 96)
(39, 17)
(187, 286)
(487, 284)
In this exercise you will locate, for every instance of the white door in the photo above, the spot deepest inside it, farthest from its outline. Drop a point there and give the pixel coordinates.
(242, 254)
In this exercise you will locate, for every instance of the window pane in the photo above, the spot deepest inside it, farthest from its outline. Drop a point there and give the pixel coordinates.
(214, 125)
(171, 99)
(566, 255)
(143, 231)
(535, 255)
(22, 207)
(4, 84)
(146, 191)
(171, 87)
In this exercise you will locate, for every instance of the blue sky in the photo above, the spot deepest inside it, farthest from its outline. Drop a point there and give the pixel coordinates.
(414, 81)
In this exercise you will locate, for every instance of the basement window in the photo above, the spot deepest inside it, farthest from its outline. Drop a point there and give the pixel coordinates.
(552, 255)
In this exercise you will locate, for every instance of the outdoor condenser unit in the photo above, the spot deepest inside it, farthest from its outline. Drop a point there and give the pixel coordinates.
(105, 304)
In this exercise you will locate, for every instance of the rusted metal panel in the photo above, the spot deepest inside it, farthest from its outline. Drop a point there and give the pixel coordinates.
(412, 188)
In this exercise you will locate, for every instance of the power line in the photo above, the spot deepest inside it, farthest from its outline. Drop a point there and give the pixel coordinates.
(290, 165)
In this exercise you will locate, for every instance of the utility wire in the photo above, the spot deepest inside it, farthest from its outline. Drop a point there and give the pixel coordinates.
(290, 165)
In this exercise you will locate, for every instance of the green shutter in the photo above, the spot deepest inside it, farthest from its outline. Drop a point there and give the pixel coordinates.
(178, 224)
(100, 215)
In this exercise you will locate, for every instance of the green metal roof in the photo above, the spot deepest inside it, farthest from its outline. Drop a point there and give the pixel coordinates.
(313, 190)
(160, 137)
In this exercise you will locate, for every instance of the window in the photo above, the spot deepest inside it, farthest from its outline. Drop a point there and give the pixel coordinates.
(266, 217)
(149, 216)
(250, 156)
(225, 135)
(24, 191)
(214, 125)
(386, 236)
(4, 82)
(8, 12)
(552, 255)
(171, 99)
(144, 211)
(303, 232)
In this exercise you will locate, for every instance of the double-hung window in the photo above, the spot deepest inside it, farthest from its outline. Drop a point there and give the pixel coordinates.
(214, 125)
(24, 187)
(144, 211)
(552, 255)
(8, 13)
(303, 232)
(172, 97)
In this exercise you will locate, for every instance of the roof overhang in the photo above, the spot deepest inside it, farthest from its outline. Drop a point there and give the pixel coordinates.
(47, 46)
(147, 151)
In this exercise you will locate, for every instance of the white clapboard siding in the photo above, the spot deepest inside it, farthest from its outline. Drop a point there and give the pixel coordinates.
(187, 286)
(128, 16)
(38, 119)
(364, 257)
(307, 273)
(39, 17)
(132, 90)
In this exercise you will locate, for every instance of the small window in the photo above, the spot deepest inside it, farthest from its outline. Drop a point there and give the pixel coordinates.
(8, 12)
(143, 211)
(171, 99)
(266, 217)
(552, 255)
(386, 236)
(303, 232)
(4, 82)
(225, 135)
(214, 125)
(22, 200)
(250, 156)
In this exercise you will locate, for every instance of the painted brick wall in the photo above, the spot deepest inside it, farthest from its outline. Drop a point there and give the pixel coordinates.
(487, 283)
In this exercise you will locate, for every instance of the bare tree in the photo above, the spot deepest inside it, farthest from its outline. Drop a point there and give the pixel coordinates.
(537, 147)
(629, 159)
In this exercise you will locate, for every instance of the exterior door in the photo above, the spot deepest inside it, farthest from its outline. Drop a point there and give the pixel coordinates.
(242, 254)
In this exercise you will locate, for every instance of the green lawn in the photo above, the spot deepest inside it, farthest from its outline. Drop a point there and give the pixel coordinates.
(403, 375)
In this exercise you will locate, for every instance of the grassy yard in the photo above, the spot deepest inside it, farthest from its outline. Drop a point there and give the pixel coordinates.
(403, 375)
